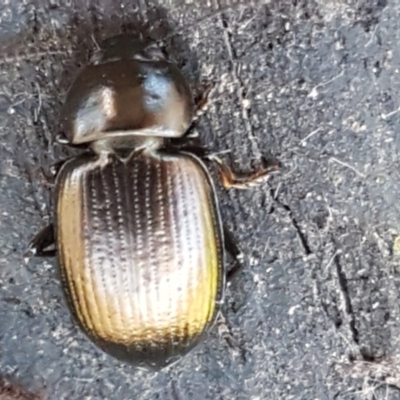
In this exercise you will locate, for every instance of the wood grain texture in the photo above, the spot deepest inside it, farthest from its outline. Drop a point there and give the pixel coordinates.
(140, 249)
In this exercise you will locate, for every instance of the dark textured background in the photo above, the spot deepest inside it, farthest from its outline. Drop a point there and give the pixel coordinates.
(315, 313)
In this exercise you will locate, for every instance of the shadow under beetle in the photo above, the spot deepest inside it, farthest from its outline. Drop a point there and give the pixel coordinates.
(137, 227)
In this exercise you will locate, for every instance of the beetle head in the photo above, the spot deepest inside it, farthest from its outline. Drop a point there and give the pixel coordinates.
(129, 89)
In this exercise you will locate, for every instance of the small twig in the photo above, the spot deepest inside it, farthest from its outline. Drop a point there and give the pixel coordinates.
(348, 166)
(247, 23)
(213, 156)
(275, 197)
(98, 47)
(388, 115)
(371, 36)
(303, 141)
(331, 260)
(37, 111)
(314, 91)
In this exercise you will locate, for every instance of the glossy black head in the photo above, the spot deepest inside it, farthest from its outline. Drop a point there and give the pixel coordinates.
(129, 89)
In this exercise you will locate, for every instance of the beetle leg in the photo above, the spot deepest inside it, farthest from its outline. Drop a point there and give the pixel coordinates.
(190, 145)
(200, 107)
(232, 247)
(201, 101)
(56, 167)
(62, 139)
(229, 179)
(51, 173)
(41, 242)
(225, 332)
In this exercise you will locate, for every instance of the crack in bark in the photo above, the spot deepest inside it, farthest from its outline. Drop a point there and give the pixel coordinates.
(302, 237)
(347, 305)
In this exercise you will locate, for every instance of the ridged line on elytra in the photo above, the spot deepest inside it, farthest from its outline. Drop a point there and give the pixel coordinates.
(138, 248)
(213, 203)
(126, 185)
(161, 212)
(175, 247)
(214, 270)
(145, 270)
(86, 267)
(91, 205)
(150, 220)
(220, 244)
(160, 272)
(76, 266)
(111, 255)
(152, 288)
(105, 314)
(194, 314)
(209, 242)
(202, 278)
(185, 223)
(117, 249)
(204, 242)
(193, 247)
(66, 263)
(125, 262)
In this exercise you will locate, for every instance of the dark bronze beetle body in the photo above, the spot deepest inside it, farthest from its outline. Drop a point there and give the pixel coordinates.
(137, 225)
(137, 228)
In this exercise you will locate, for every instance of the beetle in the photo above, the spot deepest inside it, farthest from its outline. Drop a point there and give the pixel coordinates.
(137, 227)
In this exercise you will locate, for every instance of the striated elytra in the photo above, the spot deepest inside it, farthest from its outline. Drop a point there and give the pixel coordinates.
(137, 226)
